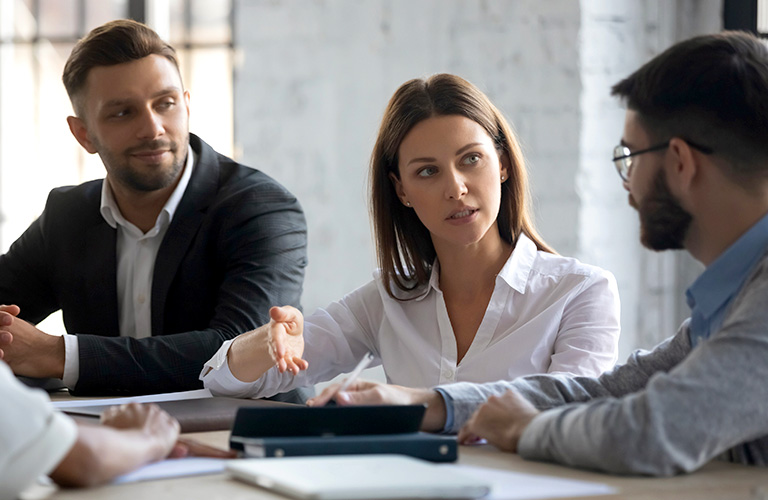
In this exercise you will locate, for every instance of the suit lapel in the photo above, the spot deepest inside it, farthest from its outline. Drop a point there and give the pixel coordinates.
(100, 264)
(186, 222)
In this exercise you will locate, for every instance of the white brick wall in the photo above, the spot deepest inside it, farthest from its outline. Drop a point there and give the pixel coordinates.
(316, 75)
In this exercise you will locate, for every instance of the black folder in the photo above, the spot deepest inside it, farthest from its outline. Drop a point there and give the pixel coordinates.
(338, 430)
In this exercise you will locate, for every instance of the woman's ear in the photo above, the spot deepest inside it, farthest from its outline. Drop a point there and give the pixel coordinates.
(399, 189)
(504, 166)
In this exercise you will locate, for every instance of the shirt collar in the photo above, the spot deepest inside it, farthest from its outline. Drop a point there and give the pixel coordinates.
(725, 276)
(112, 215)
(515, 271)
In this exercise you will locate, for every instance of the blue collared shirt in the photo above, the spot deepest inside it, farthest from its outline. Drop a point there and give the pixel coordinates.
(712, 292)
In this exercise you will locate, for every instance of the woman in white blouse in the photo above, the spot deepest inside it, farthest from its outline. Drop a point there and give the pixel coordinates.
(466, 290)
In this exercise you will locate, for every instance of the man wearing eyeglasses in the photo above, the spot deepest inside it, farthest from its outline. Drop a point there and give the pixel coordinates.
(694, 159)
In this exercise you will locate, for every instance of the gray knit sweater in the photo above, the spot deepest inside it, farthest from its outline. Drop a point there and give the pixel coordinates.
(664, 412)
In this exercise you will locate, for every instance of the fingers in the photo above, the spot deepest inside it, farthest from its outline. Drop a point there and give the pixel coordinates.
(163, 429)
(470, 431)
(11, 309)
(5, 339)
(290, 317)
(124, 416)
(284, 314)
(465, 433)
(153, 426)
(295, 364)
(279, 332)
(6, 319)
(179, 450)
(468, 437)
(369, 397)
(135, 415)
(192, 448)
(363, 392)
(325, 396)
(281, 365)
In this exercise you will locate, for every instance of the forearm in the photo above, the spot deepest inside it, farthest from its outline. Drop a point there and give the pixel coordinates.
(102, 453)
(631, 435)
(51, 362)
(711, 401)
(434, 417)
(249, 356)
(124, 366)
(543, 391)
(33, 353)
(550, 391)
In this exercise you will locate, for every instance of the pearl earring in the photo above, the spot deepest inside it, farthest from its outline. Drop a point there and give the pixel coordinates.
(503, 178)
(407, 203)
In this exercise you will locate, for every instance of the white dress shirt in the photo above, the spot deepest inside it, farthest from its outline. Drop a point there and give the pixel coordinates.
(547, 313)
(34, 437)
(136, 253)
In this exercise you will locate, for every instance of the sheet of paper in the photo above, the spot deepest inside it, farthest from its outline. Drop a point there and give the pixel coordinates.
(175, 467)
(152, 398)
(509, 485)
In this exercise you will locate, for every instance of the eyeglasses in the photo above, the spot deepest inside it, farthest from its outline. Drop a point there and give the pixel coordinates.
(622, 156)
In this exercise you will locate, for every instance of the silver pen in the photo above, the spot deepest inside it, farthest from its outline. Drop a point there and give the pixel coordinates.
(362, 365)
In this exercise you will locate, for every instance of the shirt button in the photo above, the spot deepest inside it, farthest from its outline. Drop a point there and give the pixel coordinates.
(448, 374)
(141, 298)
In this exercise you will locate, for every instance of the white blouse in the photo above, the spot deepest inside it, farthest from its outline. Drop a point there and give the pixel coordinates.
(34, 437)
(547, 313)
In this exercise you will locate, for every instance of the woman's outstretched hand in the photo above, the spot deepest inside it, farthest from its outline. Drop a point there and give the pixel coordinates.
(286, 339)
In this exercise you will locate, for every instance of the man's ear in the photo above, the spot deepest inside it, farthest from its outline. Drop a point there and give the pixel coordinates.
(683, 167)
(398, 188)
(80, 131)
(186, 102)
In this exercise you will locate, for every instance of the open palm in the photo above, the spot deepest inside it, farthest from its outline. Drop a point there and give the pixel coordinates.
(286, 339)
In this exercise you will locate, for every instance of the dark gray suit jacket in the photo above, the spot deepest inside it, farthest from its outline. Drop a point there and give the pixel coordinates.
(235, 247)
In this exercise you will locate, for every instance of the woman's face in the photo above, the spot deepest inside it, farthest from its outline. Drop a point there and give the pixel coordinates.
(451, 174)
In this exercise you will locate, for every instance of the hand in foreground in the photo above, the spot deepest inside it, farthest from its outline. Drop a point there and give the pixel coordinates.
(149, 420)
(152, 420)
(286, 339)
(363, 392)
(501, 421)
(132, 435)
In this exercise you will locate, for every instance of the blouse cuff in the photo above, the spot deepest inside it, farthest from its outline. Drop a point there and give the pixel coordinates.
(218, 378)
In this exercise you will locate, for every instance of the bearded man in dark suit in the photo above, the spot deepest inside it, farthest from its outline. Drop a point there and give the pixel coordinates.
(177, 250)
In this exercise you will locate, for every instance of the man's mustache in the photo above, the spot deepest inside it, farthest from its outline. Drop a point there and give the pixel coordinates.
(152, 146)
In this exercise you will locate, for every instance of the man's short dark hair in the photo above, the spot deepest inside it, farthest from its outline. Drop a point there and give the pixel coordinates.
(115, 42)
(711, 90)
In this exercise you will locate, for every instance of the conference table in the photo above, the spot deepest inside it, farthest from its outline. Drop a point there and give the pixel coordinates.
(717, 480)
